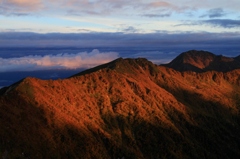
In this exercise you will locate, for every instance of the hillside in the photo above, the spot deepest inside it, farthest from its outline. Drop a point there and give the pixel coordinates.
(202, 61)
(128, 108)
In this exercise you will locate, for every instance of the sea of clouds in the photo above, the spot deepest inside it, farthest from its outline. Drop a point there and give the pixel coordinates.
(58, 61)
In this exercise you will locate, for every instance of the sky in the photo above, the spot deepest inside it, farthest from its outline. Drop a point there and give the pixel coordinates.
(171, 27)
(139, 16)
(112, 23)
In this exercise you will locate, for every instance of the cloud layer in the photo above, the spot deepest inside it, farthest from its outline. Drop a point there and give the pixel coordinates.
(59, 61)
(120, 39)
(214, 13)
(216, 23)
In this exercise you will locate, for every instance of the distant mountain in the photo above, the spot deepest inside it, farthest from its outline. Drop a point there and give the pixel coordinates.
(201, 61)
(237, 58)
(128, 108)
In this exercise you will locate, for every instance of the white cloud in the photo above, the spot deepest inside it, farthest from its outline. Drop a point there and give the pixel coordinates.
(20, 7)
(59, 61)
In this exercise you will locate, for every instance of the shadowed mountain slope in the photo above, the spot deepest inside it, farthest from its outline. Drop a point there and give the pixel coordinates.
(201, 61)
(128, 108)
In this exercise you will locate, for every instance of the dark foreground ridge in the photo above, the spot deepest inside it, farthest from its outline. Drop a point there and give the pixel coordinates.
(128, 108)
(202, 61)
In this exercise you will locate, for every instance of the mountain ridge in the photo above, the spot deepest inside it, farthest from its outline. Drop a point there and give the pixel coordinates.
(202, 61)
(128, 108)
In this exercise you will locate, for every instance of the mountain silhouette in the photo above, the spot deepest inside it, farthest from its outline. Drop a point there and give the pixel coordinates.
(128, 108)
(201, 61)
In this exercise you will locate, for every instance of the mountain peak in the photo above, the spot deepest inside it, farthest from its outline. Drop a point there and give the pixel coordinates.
(201, 61)
(123, 65)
